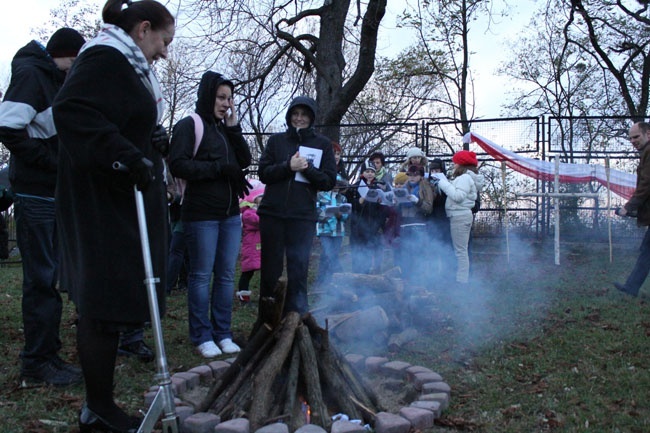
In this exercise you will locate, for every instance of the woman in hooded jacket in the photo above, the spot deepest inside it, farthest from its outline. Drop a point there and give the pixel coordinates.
(288, 211)
(210, 210)
(462, 193)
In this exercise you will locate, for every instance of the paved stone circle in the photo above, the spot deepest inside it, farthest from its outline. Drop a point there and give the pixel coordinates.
(433, 397)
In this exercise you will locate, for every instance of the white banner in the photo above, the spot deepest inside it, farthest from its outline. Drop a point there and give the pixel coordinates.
(620, 182)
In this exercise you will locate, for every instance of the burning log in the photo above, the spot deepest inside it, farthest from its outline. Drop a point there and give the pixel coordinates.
(289, 372)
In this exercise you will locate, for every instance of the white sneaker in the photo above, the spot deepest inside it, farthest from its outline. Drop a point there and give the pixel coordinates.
(208, 349)
(228, 346)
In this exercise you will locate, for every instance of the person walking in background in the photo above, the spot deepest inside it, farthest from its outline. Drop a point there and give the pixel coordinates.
(461, 197)
(251, 244)
(639, 206)
(109, 110)
(294, 166)
(210, 211)
(27, 130)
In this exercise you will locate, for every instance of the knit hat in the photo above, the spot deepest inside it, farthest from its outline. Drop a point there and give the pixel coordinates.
(400, 178)
(369, 166)
(414, 151)
(465, 157)
(65, 42)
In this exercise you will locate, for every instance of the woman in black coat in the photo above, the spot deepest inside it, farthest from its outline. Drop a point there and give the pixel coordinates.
(107, 111)
(295, 165)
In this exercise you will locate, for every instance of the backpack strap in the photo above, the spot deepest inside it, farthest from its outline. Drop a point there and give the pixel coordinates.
(198, 136)
(198, 132)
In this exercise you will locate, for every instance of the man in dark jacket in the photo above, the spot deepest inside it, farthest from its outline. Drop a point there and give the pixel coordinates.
(639, 206)
(295, 165)
(27, 130)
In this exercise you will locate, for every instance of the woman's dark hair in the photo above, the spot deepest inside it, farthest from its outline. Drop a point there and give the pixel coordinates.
(379, 155)
(136, 12)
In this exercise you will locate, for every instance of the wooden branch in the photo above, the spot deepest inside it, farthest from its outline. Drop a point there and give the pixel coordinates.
(369, 413)
(292, 380)
(271, 307)
(268, 372)
(311, 379)
(363, 394)
(334, 382)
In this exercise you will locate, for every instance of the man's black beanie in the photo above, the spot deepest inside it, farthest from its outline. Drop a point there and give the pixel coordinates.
(65, 42)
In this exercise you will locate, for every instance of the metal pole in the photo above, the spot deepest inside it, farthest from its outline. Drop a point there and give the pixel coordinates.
(505, 209)
(609, 211)
(164, 400)
(556, 200)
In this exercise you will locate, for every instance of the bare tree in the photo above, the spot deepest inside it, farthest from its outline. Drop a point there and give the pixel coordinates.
(443, 30)
(79, 15)
(306, 40)
(618, 38)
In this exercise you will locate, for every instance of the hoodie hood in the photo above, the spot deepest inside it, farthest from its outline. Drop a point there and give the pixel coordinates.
(207, 93)
(34, 55)
(305, 101)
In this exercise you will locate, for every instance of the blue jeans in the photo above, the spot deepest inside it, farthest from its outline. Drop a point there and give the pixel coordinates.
(41, 304)
(213, 248)
(641, 268)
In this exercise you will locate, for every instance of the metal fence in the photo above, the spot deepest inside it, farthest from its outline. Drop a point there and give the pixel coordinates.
(589, 140)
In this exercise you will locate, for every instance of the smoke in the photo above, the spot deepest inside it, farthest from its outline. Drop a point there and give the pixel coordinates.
(452, 318)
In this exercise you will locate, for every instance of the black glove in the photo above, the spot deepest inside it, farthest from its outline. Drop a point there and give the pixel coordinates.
(231, 172)
(141, 173)
(244, 187)
(160, 140)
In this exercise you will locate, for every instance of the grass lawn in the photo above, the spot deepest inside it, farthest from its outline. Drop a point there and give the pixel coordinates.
(534, 347)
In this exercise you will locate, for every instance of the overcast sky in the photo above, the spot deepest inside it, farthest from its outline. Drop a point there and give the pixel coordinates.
(18, 17)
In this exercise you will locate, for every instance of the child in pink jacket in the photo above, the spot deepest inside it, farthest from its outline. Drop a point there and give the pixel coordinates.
(251, 244)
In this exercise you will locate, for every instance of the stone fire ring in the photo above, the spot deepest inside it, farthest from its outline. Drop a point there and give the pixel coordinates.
(433, 398)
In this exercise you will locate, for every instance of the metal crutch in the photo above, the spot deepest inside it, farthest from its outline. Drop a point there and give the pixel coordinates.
(163, 402)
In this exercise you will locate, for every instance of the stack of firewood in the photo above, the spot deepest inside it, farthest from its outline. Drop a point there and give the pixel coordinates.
(289, 364)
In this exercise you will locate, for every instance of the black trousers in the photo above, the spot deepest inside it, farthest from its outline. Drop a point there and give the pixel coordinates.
(290, 238)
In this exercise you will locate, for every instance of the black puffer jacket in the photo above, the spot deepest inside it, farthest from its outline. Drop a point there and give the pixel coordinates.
(26, 125)
(284, 196)
(209, 194)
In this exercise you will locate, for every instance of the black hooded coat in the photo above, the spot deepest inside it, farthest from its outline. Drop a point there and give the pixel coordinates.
(285, 197)
(209, 195)
(104, 113)
(26, 125)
